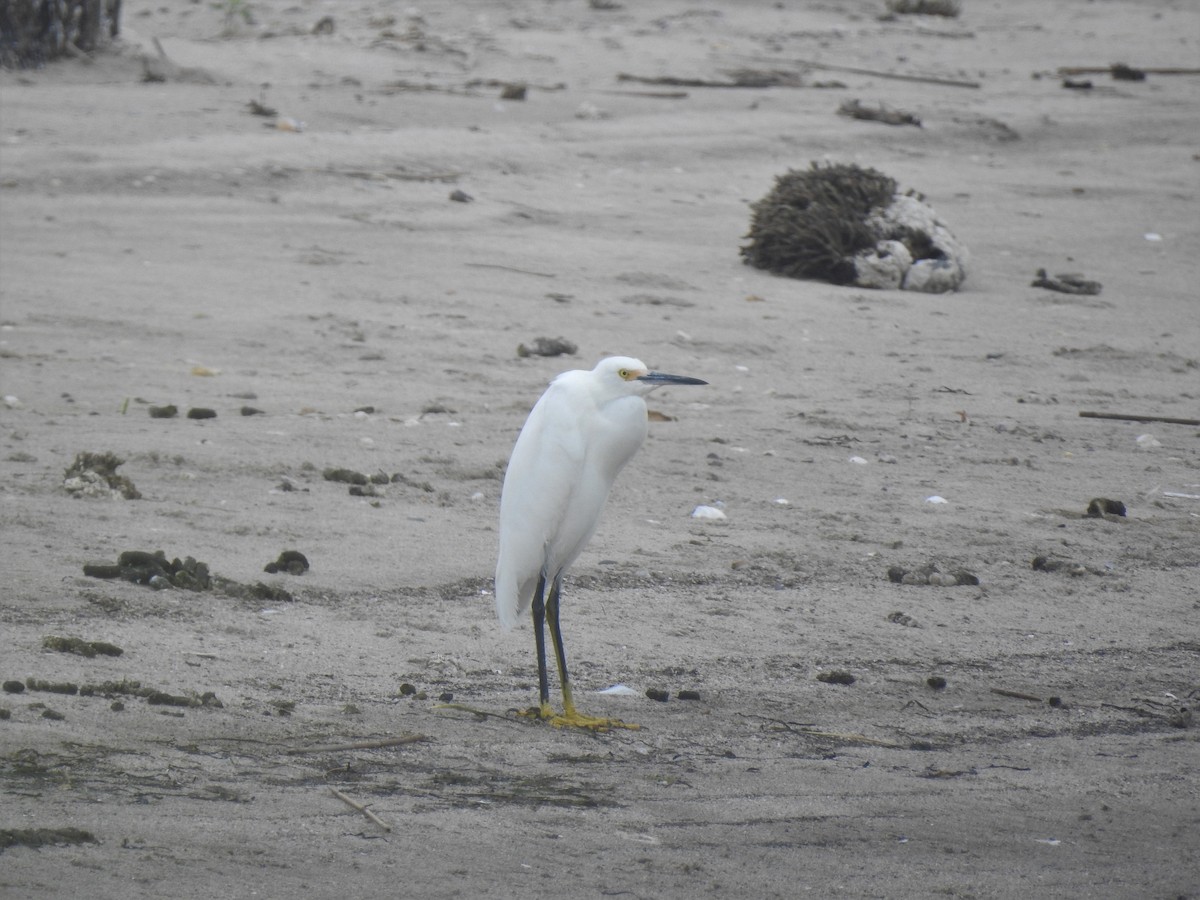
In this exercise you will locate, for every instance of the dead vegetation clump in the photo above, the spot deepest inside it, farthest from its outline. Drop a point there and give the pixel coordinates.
(34, 32)
(95, 475)
(948, 8)
(813, 222)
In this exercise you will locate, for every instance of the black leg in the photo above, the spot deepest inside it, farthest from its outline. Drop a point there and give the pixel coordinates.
(560, 654)
(539, 636)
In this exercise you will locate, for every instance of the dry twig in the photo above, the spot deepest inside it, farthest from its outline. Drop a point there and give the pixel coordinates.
(360, 745)
(1171, 420)
(362, 809)
(1017, 695)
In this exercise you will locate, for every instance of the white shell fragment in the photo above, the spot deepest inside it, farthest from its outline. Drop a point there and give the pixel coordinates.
(619, 690)
(889, 264)
(936, 499)
(707, 512)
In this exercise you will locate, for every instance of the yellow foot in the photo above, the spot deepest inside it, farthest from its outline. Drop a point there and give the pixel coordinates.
(570, 718)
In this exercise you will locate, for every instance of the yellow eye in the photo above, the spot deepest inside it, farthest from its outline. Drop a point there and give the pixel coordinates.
(624, 373)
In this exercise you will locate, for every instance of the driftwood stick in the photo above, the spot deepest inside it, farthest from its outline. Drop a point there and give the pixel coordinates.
(657, 95)
(921, 79)
(1104, 70)
(1017, 695)
(462, 707)
(362, 809)
(672, 81)
(361, 745)
(476, 265)
(1171, 420)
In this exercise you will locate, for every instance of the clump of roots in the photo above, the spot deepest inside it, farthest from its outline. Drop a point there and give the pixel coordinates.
(813, 222)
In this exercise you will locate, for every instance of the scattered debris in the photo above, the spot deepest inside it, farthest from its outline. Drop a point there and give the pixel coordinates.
(513, 92)
(687, 694)
(291, 562)
(1072, 85)
(95, 475)
(286, 123)
(363, 745)
(200, 412)
(1016, 695)
(1066, 283)
(461, 196)
(738, 78)
(899, 618)
(153, 696)
(930, 574)
(346, 476)
(324, 25)
(154, 570)
(544, 346)
(362, 809)
(591, 112)
(44, 837)
(989, 128)
(169, 411)
(658, 695)
(1042, 563)
(1102, 506)
(80, 646)
(1134, 417)
(947, 8)
(160, 68)
(936, 682)
(881, 112)
(68, 688)
(1122, 72)
(259, 108)
(849, 225)
(836, 676)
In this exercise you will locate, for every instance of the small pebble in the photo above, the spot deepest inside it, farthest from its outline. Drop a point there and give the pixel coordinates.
(836, 677)
(659, 695)
(201, 412)
(937, 682)
(688, 695)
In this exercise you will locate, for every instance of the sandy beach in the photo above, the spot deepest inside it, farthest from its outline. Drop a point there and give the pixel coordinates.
(331, 226)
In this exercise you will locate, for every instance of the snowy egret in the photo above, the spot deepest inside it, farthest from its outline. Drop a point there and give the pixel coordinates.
(579, 435)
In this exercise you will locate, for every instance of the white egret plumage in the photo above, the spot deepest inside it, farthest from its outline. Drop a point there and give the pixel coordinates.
(578, 437)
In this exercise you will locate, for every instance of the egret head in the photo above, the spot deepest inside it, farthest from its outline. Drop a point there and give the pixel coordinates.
(634, 375)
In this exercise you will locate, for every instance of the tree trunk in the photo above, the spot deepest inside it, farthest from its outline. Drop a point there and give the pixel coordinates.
(34, 32)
